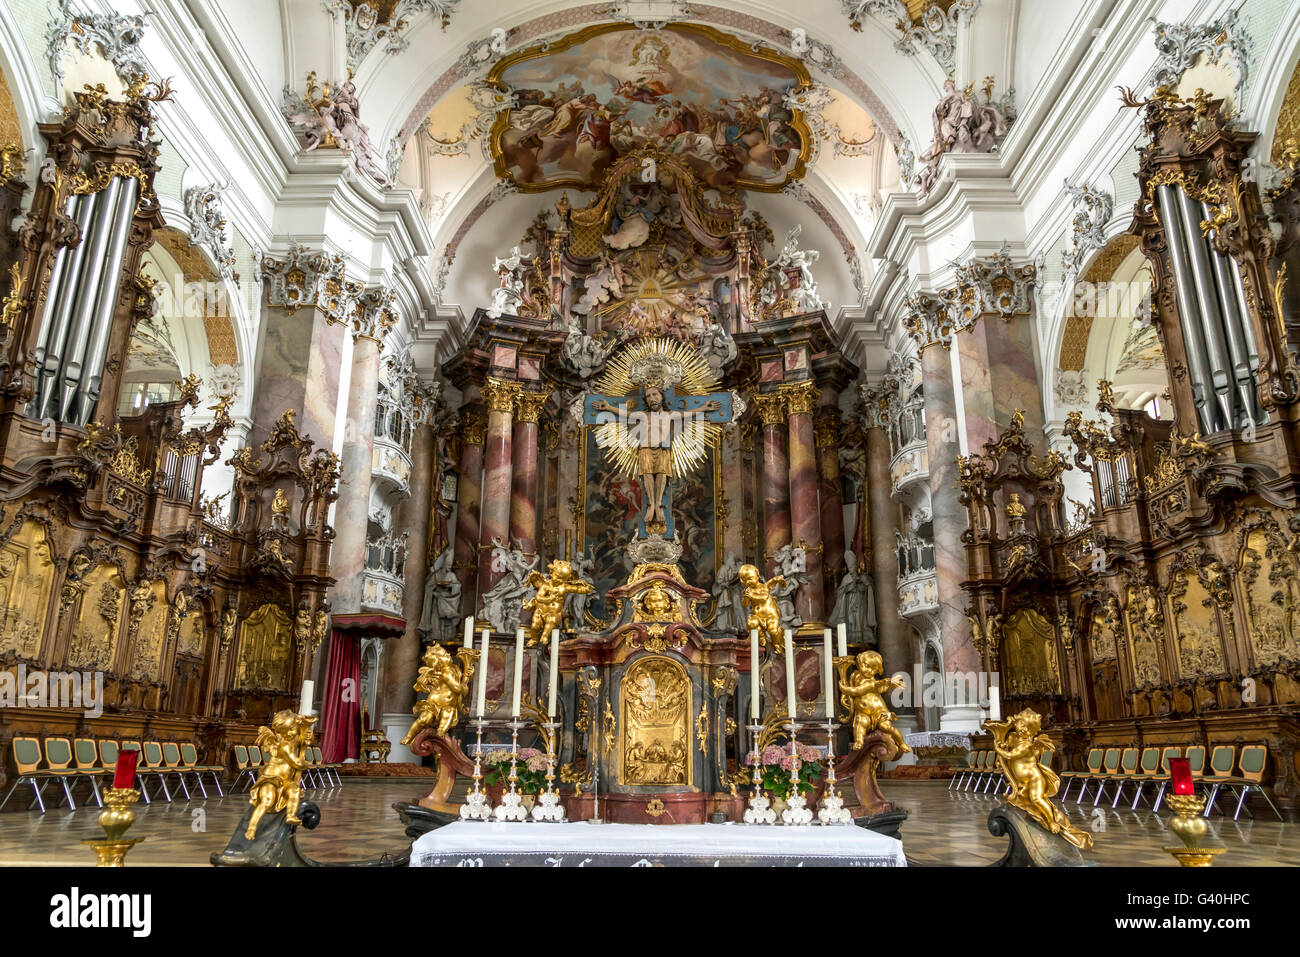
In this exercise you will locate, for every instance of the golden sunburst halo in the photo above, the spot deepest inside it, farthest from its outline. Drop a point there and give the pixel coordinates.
(674, 364)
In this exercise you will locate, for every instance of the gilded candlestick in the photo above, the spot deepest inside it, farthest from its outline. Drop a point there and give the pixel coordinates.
(115, 819)
(1190, 827)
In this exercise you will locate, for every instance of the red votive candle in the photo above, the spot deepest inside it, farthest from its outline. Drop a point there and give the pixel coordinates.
(1180, 769)
(124, 770)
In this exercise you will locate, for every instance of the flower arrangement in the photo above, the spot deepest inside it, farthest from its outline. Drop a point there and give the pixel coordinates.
(776, 763)
(530, 770)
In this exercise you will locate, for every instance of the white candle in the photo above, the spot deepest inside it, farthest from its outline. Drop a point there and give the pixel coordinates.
(469, 632)
(828, 683)
(519, 672)
(843, 633)
(791, 705)
(555, 672)
(995, 704)
(481, 704)
(753, 675)
(308, 692)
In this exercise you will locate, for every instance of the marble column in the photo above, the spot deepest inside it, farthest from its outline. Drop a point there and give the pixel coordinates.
(896, 645)
(401, 660)
(523, 485)
(828, 427)
(998, 377)
(776, 477)
(805, 513)
(352, 511)
(949, 521)
(498, 466)
(473, 427)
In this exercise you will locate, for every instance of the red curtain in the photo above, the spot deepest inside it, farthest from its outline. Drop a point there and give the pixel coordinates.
(341, 698)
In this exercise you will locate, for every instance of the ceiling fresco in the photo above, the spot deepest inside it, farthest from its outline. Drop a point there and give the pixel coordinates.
(610, 91)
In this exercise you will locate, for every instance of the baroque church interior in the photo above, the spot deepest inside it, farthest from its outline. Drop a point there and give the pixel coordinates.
(846, 432)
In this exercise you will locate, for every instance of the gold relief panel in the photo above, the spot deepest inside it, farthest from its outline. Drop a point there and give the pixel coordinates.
(1196, 626)
(94, 633)
(148, 613)
(656, 728)
(1029, 655)
(1268, 577)
(265, 640)
(1144, 630)
(26, 579)
(1101, 641)
(191, 635)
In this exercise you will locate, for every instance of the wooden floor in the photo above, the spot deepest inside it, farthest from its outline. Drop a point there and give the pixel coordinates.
(357, 821)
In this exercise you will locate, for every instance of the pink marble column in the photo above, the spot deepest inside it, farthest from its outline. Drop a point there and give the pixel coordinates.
(523, 486)
(776, 477)
(949, 521)
(302, 356)
(998, 377)
(414, 514)
(805, 513)
(498, 466)
(473, 426)
(895, 643)
(828, 427)
(351, 512)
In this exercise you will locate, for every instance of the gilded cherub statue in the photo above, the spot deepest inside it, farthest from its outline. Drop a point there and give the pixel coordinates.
(1019, 744)
(280, 504)
(764, 613)
(548, 604)
(861, 694)
(445, 684)
(278, 786)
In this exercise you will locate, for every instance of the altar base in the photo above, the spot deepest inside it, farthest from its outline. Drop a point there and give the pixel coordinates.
(688, 807)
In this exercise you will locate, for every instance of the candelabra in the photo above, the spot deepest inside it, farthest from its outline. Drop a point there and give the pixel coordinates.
(760, 807)
(512, 807)
(548, 807)
(832, 810)
(115, 819)
(797, 812)
(476, 806)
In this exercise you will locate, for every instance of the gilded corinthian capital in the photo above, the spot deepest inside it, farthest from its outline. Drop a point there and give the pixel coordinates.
(770, 408)
(473, 426)
(528, 405)
(800, 398)
(499, 395)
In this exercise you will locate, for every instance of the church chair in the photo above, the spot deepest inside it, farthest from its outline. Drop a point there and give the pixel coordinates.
(1109, 765)
(1093, 766)
(87, 758)
(373, 740)
(311, 773)
(955, 780)
(1222, 760)
(58, 758)
(330, 769)
(27, 759)
(254, 760)
(243, 766)
(151, 766)
(172, 765)
(190, 765)
(982, 779)
(1133, 769)
(1128, 764)
(1165, 775)
(977, 770)
(140, 769)
(1252, 762)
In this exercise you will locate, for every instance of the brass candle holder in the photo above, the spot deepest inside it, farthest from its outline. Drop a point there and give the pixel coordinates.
(116, 817)
(1190, 827)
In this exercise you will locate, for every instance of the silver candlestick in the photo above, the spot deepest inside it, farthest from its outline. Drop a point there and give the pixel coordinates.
(476, 806)
(797, 812)
(760, 807)
(548, 807)
(832, 810)
(512, 807)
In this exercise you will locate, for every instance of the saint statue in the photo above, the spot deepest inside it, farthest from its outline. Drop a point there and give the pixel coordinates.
(730, 616)
(855, 604)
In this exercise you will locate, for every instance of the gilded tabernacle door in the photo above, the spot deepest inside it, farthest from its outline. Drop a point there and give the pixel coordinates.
(656, 740)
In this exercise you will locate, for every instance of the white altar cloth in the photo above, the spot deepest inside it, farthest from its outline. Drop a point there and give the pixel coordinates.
(582, 844)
